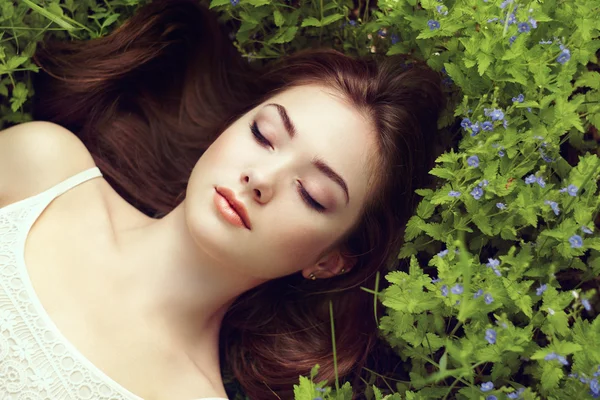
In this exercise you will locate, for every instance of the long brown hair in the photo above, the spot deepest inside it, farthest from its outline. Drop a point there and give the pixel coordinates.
(148, 99)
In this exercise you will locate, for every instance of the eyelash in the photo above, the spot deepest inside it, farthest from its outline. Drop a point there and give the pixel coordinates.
(303, 193)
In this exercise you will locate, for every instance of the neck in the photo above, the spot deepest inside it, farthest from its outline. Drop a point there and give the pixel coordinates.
(169, 277)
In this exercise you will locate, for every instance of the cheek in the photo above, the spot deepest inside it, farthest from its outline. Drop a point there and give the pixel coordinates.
(297, 239)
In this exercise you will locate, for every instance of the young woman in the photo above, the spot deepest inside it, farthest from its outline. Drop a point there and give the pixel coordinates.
(178, 210)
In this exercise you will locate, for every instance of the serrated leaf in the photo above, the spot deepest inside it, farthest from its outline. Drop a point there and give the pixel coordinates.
(284, 36)
(441, 172)
(483, 62)
(590, 79)
(331, 19)
(425, 209)
(15, 62)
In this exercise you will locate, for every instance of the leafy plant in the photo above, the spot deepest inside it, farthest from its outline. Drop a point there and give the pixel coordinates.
(496, 294)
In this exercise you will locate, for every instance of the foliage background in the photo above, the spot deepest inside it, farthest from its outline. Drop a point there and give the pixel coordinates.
(495, 292)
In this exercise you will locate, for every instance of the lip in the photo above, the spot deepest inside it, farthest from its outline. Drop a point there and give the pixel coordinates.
(235, 204)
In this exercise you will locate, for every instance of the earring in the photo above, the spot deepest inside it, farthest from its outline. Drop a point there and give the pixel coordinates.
(312, 276)
(343, 270)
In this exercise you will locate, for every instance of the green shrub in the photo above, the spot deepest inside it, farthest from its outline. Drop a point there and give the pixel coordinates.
(498, 298)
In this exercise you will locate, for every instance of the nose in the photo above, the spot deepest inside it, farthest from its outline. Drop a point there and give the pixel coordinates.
(261, 186)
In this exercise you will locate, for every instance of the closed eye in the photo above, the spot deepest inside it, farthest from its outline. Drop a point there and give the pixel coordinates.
(258, 136)
(263, 141)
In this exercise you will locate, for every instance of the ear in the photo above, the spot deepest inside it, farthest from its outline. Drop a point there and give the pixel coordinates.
(330, 265)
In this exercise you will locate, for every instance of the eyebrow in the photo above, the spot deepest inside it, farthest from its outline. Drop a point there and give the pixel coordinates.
(319, 163)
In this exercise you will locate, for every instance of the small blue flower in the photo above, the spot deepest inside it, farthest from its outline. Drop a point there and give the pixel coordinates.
(436, 280)
(515, 395)
(465, 123)
(492, 20)
(475, 128)
(505, 3)
(501, 153)
(524, 27)
(545, 157)
(519, 99)
(477, 192)
(440, 9)
(572, 190)
(234, 2)
(491, 397)
(473, 161)
(321, 390)
(394, 38)
(445, 290)
(352, 22)
(457, 289)
(501, 206)
(562, 360)
(541, 182)
(530, 179)
(595, 387)
(564, 56)
(576, 241)
(488, 298)
(318, 398)
(483, 183)
(541, 289)
(487, 126)
(493, 262)
(453, 193)
(545, 42)
(433, 24)
(497, 115)
(511, 39)
(478, 293)
(550, 356)
(553, 205)
(490, 336)
(487, 386)
(585, 229)
(442, 253)
(533, 22)
(586, 304)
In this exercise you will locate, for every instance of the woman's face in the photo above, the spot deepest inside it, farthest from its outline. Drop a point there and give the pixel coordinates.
(270, 174)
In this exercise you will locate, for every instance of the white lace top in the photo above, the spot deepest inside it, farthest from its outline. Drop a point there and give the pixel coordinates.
(36, 361)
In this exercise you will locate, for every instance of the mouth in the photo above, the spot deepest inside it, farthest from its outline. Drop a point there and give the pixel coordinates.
(236, 205)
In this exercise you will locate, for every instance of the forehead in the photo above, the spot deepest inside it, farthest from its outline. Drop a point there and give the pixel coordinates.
(329, 127)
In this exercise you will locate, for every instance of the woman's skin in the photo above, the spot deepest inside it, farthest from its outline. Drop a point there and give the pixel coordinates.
(188, 267)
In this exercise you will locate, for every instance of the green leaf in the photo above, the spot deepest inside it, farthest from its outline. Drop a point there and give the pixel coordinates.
(110, 20)
(414, 227)
(218, 3)
(589, 79)
(279, 20)
(483, 62)
(15, 62)
(444, 173)
(425, 209)
(331, 19)
(552, 373)
(284, 36)
(310, 21)
(257, 3)
(52, 17)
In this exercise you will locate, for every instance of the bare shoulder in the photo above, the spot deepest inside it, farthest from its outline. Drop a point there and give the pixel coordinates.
(36, 155)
